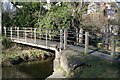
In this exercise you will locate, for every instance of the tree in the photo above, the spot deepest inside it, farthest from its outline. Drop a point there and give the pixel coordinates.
(68, 15)
(33, 14)
(57, 17)
(25, 16)
(94, 21)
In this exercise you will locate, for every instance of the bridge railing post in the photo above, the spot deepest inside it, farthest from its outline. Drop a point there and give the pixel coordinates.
(35, 35)
(76, 36)
(46, 37)
(61, 39)
(86, 42)
(106, 38)
(31, 32)
(40, 33)
(11, 32)
(112, 46)
(5, 31)
(65, 38)
(18, 33)
(15, 31)
(25, 34)
(50, 37)
(80, 35)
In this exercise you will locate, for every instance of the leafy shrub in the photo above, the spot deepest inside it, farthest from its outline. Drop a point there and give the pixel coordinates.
(6, 42)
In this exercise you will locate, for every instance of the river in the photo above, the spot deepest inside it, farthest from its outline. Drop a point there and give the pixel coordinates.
(31, 70)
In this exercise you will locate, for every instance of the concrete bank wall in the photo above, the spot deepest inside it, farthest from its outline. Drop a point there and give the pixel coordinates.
(68, 59)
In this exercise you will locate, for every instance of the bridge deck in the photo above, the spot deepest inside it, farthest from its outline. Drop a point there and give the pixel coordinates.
(53, 45)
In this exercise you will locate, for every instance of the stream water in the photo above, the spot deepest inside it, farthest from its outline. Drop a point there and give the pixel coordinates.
(32, 70)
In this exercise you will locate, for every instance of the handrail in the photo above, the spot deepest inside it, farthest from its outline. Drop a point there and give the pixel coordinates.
(76, 36)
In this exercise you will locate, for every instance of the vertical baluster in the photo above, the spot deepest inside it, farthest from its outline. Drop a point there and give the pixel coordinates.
(80, 35)
(25, 34)
(18, 33)
(35, 35)
(31, 32)
(65, 38)
(15, 31)
(86, 42)
(61, 40)
(5, 31)
(50, 34)
(106, 38)
(112, 46)
(40, 33)
(46, 37)
(76, 36)
(11, 32)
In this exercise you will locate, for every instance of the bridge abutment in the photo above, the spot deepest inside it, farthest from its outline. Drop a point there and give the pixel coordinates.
(56, 62)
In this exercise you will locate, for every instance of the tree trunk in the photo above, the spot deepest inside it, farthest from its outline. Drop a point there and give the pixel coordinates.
(0, 18)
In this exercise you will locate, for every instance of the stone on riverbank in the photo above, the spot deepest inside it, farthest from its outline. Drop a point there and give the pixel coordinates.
(6, 63)
(68, 60)
(17, 61)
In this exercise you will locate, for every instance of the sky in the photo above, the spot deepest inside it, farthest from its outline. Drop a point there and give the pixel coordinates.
(8, 6)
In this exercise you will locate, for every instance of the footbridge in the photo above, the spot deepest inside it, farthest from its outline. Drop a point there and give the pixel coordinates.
(56, 40)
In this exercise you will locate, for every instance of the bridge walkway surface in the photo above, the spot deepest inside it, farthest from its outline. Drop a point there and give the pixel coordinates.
(39, 43)
(53, 45)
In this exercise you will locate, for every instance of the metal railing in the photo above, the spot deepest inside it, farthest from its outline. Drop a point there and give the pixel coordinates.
(63, 37)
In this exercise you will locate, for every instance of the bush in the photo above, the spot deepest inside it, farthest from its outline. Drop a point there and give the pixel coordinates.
(6, 42)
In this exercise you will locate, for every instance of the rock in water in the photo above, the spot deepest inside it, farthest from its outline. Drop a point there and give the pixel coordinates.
(18, 61)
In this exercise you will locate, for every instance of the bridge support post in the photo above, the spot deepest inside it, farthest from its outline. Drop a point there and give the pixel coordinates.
(86, 42)
(25, 35)
(11, 32)
(65, 38)
(61, 40)
(5, 31)
(35, 35)
(112, 46)
(80, 35)
(18, 33)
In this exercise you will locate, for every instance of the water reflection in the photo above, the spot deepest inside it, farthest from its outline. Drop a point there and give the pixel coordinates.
(33, 69)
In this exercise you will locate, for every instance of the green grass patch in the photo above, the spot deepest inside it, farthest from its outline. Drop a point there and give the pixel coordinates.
(99, 69)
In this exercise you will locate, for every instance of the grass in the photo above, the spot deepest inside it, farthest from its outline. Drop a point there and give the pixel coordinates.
(11, 54)
(99, 69)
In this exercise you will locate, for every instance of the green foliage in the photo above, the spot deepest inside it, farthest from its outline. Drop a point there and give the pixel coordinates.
(25, 16)
(33, 14)
(57, 17)
(6, 42)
